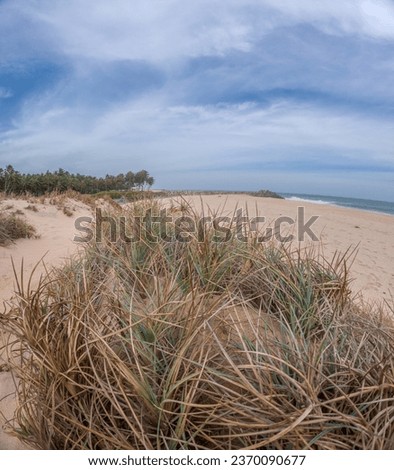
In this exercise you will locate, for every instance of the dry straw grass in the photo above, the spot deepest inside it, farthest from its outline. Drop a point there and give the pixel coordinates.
(13, 227)
(200, 345)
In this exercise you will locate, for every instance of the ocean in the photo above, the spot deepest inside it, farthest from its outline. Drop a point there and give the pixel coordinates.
(364, 204)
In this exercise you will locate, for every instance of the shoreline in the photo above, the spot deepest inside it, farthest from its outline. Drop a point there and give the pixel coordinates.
(332, 203)
(344, 207)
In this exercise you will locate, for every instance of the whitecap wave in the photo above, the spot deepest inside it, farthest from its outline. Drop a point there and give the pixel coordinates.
(313, 201)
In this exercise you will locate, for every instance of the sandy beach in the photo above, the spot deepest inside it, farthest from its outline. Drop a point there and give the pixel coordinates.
(371, 234)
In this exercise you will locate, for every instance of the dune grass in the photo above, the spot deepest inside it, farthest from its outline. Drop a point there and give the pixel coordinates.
(199, 345)
(13, 227)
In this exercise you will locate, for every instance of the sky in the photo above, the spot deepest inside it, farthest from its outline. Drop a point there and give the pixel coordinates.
(289, 95)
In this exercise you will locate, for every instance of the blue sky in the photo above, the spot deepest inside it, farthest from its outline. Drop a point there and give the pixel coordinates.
(293, 96)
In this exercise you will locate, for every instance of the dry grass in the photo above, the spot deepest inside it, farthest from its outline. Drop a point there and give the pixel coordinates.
(199, 345)
(67, 211)
(65, 197)
(13, 227)
(17, 212)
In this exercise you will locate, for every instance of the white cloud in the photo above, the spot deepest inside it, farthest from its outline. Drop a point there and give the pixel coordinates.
(378, 18)
(170, 30)
(120, 29)
(373, 18)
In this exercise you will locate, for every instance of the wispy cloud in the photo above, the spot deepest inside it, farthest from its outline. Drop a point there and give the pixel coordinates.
(204, 137)
(159, 31)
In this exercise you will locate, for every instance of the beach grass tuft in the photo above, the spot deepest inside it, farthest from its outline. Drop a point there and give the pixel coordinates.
(13, 227)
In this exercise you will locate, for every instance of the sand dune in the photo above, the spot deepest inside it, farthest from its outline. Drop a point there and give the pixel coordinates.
(55, 243)
(337, 229)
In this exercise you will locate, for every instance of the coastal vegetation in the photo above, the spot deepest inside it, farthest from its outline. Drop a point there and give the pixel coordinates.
(14, 182)
(121, 186)
(198, 343)
(267, 193)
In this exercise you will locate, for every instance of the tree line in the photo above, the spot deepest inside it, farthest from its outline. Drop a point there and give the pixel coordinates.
(14, 182)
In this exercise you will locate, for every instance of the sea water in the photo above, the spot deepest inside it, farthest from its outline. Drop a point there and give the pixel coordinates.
(364, 204)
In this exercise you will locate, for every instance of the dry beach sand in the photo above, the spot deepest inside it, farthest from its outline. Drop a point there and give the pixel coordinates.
(337, 228)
